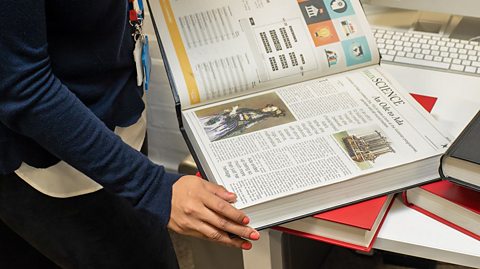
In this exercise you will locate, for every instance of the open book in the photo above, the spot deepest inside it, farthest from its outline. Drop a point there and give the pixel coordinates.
(284, 103)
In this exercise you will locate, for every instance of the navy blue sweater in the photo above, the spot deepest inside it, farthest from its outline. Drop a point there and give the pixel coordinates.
(67, 78)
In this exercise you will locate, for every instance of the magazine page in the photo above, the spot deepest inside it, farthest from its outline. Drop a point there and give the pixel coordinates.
(311, 134)
(228, 47)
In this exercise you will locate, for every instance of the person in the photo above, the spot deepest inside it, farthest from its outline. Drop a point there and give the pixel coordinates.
(72, 119)
(237, 120)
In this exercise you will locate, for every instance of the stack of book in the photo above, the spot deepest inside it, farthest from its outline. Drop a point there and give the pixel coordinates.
(454, 201)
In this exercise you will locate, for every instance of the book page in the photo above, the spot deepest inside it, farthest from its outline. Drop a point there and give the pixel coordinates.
(228, 47)
(312, 134)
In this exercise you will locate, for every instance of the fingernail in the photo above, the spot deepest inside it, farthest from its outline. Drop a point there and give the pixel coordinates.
(255, 235)
(245, 220)
(231, 193)
(246, 245)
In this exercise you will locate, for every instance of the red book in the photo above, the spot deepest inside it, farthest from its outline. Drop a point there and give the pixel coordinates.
(355, 226)
(449, 203)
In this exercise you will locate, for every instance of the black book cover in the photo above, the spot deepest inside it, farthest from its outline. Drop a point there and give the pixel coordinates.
(466, 147)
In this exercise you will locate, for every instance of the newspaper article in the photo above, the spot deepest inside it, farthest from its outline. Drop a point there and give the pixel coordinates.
(267, 145)
(226, 47)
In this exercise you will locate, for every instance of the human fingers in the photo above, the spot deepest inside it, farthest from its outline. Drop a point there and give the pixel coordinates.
(216, 235)
(225, 217)
(221, 192)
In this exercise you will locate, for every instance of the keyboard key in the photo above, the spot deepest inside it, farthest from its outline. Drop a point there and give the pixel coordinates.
(383, 51)
(389, 47)
(407, 49)
(425, 46)
(454, 55)
(459, 45)
(462, 57)
(426, 51)
(454, 50)
(406, 60)
(422, 41)
(389, 41)
(457, 61)
(435, 53)
(469, 47)
(435, 47)
(450, 44)
(466, 62)
(405, 38)
(381, 45)
(392, 52)
(432, 42)
(457, 67)
(417, 50)
(409, 55)
(477, 64)
(428, 57)
(419, 56)
(472, 58)
(386, 57)
(401, 53)
(443, 48)
(444, 54)
(472, 52)
(445, 60)
(462, 51)
(441, 43)
(470, 69)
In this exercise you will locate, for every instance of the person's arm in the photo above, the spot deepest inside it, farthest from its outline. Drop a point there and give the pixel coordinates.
(34, 103)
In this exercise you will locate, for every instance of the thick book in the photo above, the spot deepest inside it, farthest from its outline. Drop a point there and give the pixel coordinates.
(354, 226)
(449, 203)
(285, 104)
(461, 162)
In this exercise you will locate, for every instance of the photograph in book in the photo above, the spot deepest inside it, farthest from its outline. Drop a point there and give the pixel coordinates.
(244, 116)
(366, 146)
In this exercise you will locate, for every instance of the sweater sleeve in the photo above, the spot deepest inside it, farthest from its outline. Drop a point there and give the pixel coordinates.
(35, 103)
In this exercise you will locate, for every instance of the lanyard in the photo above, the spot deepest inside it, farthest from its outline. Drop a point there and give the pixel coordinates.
(135, 17)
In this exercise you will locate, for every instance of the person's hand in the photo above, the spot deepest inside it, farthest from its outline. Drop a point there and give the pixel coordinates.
(202, 209)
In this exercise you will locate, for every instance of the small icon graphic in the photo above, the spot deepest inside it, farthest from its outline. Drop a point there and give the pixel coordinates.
(332, 57)
(338, 6)
(312, 11)
(348, 27)
(357, 50)
(323, 33)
